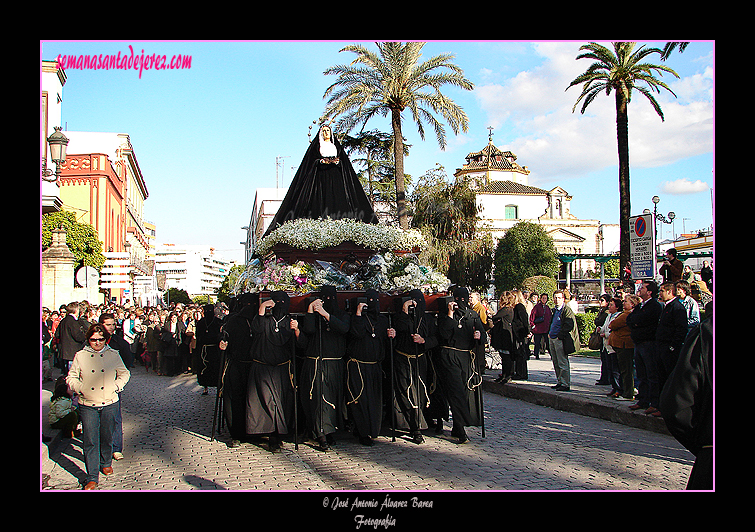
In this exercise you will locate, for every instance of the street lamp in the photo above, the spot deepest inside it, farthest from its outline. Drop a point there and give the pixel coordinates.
(660, 217)
(58, 143)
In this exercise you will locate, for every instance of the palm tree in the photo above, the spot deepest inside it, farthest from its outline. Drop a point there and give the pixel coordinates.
(376, 84)
(621, 71)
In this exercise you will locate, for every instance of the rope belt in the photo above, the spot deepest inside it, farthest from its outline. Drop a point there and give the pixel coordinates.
(407, 355)
(411, 380)
(470, 384)
(356, 399)
(290, 373)
(314, 377)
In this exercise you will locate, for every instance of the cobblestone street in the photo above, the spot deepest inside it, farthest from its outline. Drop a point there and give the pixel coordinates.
(168, 422)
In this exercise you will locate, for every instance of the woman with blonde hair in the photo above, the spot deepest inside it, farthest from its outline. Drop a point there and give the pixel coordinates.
(520, 327)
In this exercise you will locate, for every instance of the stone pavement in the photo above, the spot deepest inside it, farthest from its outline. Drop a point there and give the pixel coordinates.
(535, 439)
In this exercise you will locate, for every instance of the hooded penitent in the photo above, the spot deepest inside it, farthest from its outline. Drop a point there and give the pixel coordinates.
(461, 297)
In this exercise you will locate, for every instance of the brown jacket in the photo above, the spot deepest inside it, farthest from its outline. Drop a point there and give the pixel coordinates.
(620, 337)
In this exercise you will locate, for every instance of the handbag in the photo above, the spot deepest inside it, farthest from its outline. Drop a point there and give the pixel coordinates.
(595, 342)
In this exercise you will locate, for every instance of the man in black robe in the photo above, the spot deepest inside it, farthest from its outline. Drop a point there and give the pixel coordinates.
(415, 337)
(321, 390)
(367, 344)
(324, 186)
(270, 394)
(687, 402)
(460, 330)
(208, 337)
(236, 343)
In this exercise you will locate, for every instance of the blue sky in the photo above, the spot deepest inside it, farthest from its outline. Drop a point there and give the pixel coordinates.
(207, 137)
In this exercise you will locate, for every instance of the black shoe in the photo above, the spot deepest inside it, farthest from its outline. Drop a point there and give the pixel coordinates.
(561, 388)
(418, 438)
(322, 443)
(366, 440)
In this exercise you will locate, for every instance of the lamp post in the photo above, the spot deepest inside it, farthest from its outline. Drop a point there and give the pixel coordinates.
(657, 216)
(58, 143)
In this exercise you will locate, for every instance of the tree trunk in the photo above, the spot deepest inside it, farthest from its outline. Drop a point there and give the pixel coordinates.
(398, 158)
(625, 209)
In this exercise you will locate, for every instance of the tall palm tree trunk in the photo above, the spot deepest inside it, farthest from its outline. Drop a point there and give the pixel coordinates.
(398, 157)
(622, 135)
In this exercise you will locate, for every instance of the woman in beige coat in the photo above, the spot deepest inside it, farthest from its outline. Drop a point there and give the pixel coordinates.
(97, 375)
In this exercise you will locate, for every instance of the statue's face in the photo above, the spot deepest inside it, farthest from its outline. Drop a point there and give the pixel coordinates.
(326, 133)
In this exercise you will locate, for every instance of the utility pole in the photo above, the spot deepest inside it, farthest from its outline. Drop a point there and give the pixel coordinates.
(279, 164)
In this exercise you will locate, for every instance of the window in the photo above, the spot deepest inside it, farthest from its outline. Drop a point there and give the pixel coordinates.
(511, 212)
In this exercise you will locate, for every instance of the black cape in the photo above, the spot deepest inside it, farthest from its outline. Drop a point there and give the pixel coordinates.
(237, 331)
(321, 382)
(208, 336)
(366, 349)
(458, 368)
(411, 384)
(323, 189)
(270, 387)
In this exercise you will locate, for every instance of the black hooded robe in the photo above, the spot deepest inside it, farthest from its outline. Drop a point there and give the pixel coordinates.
(458, 368)
(324, 187)
(322, 371)
(270, 393)
(411, 396)
(367, 343)
(208, 336)
(237, 331)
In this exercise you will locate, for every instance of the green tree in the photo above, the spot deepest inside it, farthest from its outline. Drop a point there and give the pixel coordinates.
(177, 295)
(621, 71)
(526, 250)
(81, 238)
(387, 83)
(225, 292)
(377, 176)
(448, 215)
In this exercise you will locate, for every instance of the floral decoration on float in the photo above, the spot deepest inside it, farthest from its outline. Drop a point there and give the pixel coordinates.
(391, 264)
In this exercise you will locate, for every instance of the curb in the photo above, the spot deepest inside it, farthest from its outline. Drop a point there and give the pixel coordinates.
(576, 402)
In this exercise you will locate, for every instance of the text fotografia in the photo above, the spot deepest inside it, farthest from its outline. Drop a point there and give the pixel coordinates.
(386, 504)
(126, 61)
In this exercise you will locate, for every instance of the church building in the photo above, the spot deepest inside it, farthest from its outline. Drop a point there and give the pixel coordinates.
(505, 198)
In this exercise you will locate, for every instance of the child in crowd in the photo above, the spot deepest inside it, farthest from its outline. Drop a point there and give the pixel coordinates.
(63, 414)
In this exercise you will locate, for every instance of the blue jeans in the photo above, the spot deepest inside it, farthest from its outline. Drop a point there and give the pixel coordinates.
(98, 425)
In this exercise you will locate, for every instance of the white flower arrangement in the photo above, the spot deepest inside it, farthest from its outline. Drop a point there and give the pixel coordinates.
(388, 273)
(305, 233)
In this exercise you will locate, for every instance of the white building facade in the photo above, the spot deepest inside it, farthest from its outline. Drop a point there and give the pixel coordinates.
(197, 269)
(505, 198)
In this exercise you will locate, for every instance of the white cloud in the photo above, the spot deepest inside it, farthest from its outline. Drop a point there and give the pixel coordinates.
(535, 104)
(684, 186)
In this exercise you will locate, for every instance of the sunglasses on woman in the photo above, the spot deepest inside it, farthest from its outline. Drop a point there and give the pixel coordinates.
(96, 339)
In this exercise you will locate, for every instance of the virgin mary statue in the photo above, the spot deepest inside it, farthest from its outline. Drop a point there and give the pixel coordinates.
(325, 186)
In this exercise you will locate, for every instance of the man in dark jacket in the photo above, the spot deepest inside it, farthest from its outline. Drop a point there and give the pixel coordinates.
(672, 267)
(671, 332)
(71, 334)
(643, 325)
(563, 340)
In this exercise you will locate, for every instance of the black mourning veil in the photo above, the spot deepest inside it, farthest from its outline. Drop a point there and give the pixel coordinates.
(324, 188)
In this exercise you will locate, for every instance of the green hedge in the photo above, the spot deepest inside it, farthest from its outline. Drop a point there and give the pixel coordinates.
(585, 325)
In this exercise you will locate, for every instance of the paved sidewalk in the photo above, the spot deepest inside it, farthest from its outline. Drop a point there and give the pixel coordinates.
(585, 397)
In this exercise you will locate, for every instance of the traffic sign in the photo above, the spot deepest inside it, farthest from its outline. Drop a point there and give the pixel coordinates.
(642, 246)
